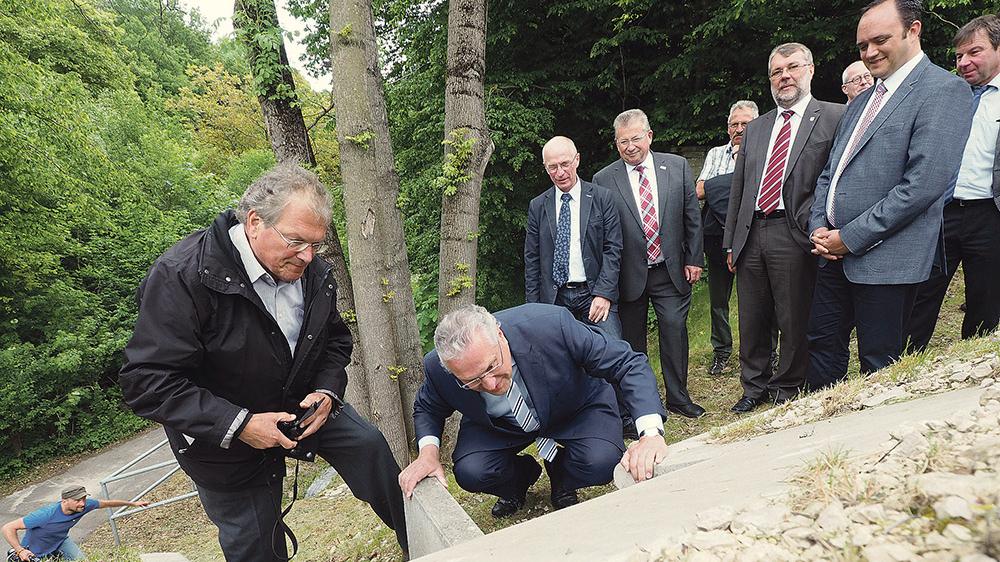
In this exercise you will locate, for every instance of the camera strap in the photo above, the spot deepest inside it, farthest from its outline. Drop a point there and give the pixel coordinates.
(286, 531)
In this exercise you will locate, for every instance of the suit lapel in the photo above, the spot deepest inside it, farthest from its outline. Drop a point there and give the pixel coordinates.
(586, 200)
(894, 101)
(763, 140)
(662, 185)
(532, 373)
(625, 190)
(549, 211)
(806, 125)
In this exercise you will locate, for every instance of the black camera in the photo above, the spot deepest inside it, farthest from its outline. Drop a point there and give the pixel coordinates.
(306, 449)
(11, 557)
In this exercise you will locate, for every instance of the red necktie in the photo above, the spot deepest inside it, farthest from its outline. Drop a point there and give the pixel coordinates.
(770, 189)
(650, 226)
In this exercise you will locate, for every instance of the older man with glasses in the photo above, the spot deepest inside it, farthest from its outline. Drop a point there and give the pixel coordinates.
(856, 79)
(532, 375)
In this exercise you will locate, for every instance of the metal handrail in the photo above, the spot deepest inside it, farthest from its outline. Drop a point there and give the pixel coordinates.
(121, 474)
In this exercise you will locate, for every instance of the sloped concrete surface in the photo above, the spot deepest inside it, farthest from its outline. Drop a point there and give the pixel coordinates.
(435, 521)
(89, 474)
(163, 557)
(698, 477)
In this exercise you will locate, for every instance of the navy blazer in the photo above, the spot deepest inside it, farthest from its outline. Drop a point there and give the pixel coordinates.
(889, 199)
(562, 362)
(600, 241)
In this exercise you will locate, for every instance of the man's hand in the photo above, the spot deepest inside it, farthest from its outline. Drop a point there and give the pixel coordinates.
(427, 464)
(600, 307)
(643, 454)
(25, 554)
(262, 432)
(699, 189)
(316, 421)
(692, 273)
(827, 243)
(142, 503)
(729, 262)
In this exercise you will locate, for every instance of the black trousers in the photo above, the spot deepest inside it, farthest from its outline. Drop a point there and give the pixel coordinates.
(879, 312)
(588, 461)
(671, 308)
(775, 278)
(246, 518)
(720, 288)
(972, 238)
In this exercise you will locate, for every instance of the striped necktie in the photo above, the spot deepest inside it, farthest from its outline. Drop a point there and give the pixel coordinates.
(547, 447)
(650, 226)
(770, 190)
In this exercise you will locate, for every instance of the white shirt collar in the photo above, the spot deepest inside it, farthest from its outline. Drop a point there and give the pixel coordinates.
(895, 79)
(647, 163)
(238, 234)
(995, 82)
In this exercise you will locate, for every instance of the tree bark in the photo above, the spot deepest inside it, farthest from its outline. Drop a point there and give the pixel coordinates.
(290, 142)
(464, 167)
(379, 264)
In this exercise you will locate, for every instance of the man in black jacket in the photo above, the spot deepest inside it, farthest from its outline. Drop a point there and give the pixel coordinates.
(238, 329)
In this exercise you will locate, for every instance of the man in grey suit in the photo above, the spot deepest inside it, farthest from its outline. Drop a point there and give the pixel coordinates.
(572, 249)
(661, 250)
(767, 225)
(877, 215)
(972, 217)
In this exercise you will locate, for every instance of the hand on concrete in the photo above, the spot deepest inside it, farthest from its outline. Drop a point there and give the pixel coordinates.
(427, 464)
(825, 242)
(692, 273)
(599, 309)
(316, 421)
(642, 455)
(262, 432)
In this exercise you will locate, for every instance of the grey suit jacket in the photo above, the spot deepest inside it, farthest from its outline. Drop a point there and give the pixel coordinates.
(600, 241)
(680, 222)
(889, 199)
(806, 159)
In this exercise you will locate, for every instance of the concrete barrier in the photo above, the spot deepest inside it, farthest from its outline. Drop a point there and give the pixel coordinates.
(435, 521)
(163, 557)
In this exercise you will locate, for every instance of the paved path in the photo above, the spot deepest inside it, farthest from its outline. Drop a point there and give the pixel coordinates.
(615, 526)
(89, 473)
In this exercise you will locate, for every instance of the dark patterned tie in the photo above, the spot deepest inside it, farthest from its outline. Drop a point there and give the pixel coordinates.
(560, 269)
(977, 94)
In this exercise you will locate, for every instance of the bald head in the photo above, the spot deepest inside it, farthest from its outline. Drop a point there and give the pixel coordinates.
(561, 159)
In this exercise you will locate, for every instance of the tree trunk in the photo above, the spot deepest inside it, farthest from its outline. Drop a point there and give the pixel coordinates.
(290, 142)
(379, 265)
(468, 147)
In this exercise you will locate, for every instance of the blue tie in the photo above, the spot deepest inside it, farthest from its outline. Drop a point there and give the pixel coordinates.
(547, 447)
(560, 269)
(977, 94)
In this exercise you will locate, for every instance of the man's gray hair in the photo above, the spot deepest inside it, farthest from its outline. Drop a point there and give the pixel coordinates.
(457, 329)
(271, 193)
(630, 116)
(787, 50)
(745, 104)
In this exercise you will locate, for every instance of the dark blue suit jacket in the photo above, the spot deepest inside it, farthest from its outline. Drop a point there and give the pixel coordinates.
(560, 360)
(600, 241)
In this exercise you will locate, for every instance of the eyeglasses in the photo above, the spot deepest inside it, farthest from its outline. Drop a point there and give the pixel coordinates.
(738, 124)
(792, 69)
(299, 245)
(468, 385)
(860, 79)
(556, 166)
(624, 143)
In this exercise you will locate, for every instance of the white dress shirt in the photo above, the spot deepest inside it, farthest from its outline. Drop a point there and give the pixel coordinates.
(892, 83)
(975, 177)
(799, 109)
(576, 271)
(718, 161)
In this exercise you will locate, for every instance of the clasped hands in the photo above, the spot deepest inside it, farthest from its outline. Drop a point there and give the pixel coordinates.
(262, 432)
(827, 243)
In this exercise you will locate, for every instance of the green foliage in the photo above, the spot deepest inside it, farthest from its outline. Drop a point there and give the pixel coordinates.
(256, 27)
(455, 168)
(362, 140)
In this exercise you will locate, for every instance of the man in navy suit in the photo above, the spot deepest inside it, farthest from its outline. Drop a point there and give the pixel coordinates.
(532, 374)
(661, 248)
(877, 214)
(572, 248)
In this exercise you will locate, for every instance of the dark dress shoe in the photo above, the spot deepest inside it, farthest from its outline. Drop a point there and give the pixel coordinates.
(689, 410)
(564, 498)
(745, 404)
(505, 507)
(718, 365)
(529, 471)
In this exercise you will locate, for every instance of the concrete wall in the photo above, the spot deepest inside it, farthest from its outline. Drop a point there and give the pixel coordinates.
(435, 521)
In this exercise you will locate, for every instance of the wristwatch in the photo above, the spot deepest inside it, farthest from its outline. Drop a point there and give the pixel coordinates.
(650, 430)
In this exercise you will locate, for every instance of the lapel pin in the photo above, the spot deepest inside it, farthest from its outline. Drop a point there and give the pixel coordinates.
(813, 118)
(663, 167)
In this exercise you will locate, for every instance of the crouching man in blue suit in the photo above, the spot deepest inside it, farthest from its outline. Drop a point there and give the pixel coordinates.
(532, 374)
